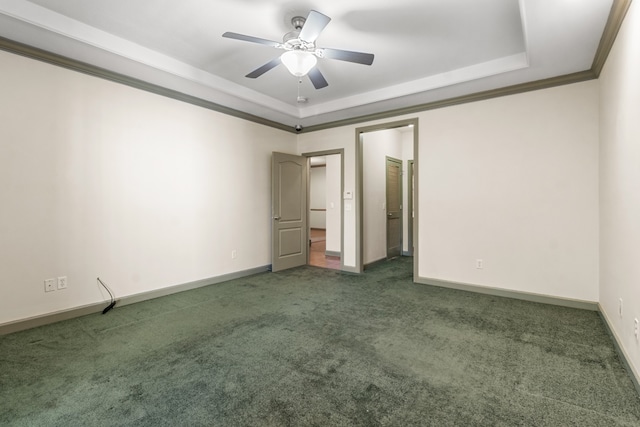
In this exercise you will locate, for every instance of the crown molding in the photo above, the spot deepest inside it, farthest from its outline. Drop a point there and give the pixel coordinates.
(616, 17)
(465, 99)
(85, 68)
(614, 22)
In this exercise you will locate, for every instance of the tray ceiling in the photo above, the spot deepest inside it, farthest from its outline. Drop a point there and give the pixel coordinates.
(425, 50)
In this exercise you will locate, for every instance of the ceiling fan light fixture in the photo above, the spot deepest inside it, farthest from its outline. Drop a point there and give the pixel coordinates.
(299, 62)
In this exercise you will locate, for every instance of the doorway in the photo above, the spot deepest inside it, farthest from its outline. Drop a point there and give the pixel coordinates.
(325, 209)
(374, 144)
(393, 181)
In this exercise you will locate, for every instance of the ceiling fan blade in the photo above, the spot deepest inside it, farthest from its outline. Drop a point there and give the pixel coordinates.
(317, 78)
(345, 55)
(251, 39)
(313, 26)
(266, 67)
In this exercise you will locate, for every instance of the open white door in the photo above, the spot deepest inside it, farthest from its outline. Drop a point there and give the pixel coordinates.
(289, 208)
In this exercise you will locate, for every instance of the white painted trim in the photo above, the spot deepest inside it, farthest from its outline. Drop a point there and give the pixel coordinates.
(525, 28)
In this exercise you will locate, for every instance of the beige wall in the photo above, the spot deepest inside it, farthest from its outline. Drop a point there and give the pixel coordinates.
(101, 180)
(513, 181)
(620, 185)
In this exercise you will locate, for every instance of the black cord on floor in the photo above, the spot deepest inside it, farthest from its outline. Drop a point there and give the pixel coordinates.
(113, 300)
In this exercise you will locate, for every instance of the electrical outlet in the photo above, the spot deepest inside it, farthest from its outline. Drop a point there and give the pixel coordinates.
(234, 254)
(620, 307)
(62, 282)
(479, 264)
(636, 331)
(50, 285)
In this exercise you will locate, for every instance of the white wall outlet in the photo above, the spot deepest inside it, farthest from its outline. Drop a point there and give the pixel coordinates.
(479, 264)
(620, 307)
(636, 331)
(234, 254)
(50, 285)
(62, 282)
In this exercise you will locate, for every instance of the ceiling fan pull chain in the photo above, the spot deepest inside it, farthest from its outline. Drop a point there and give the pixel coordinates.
(301, 99)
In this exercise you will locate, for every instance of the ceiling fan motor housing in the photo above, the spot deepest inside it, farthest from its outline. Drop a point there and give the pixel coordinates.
(292, 40)
(298, 44)
(298, 22)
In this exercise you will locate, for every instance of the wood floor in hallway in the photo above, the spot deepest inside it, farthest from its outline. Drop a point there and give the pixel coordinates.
(317, 256)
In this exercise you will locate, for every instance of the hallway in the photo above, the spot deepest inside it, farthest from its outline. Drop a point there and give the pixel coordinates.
(317, 249)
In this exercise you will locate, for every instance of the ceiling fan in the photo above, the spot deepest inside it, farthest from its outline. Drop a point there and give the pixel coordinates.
(301, 53)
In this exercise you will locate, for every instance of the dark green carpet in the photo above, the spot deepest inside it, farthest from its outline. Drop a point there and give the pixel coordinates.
(316, 347)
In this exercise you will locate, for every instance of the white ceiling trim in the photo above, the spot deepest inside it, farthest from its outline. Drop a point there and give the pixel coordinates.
(473, 72)
(524, 26)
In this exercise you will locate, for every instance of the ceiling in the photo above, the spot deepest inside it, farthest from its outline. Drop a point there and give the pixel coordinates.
(425, 50)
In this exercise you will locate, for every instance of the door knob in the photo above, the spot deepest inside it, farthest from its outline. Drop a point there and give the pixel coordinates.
(276, 218)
